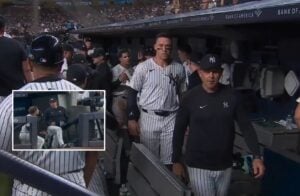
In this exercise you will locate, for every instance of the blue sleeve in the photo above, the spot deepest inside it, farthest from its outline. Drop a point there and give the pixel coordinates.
(246, 127)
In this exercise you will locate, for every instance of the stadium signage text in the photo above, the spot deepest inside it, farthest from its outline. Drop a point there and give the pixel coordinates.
(139, 26)
(201, 18)
(288, 11)
(258, 14)
(155, 23)
(242, 15)
(173, 21)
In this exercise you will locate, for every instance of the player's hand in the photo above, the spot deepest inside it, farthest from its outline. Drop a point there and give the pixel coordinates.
(123, 77)
(133, 128)
(179, 171)
(258, 168)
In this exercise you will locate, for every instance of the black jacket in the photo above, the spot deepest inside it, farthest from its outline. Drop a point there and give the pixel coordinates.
(210, 118)
(57, 115)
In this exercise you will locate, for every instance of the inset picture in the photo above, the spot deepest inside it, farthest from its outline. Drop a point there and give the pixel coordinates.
(59, 120)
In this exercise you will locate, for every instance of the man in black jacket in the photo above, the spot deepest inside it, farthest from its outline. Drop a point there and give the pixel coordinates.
(103, 76)
(209, 111)
(55, 114)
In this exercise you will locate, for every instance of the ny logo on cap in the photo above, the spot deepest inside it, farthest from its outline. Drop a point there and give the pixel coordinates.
(212, 59)
(43, 60)
(225, 104)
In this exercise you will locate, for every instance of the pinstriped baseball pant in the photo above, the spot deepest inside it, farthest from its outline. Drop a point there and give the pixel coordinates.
(25, 139)
(20, 189)
(2, 98)
(157, 134)
(209, 183)
(97, 183)
(57, 134)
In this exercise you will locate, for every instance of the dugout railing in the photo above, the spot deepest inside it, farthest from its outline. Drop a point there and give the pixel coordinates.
(39, 178)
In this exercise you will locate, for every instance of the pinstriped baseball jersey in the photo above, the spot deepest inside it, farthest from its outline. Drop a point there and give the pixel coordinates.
(159, 90)
(56, 162)
(21, 189)
(97, 183)
(158, 87)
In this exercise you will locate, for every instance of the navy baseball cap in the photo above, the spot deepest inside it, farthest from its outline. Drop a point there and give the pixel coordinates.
(210, 62)
(79, 59)
(98, 52)
(52, 100)
(46, 50)
(76, 73)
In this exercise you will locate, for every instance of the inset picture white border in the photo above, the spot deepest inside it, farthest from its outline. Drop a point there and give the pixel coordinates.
(67, 99)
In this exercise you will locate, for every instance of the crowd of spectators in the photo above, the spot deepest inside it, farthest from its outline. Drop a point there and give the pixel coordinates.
(32, 20)
(35, 19)
(120, 13)
(125, 12)
(111, 13)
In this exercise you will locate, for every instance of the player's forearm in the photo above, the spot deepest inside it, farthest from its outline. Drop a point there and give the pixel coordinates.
(91, 159)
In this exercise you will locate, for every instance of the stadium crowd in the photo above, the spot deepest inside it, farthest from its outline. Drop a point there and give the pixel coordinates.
(29, 19)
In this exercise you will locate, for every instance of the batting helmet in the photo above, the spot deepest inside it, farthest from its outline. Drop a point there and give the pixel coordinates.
(46, 50)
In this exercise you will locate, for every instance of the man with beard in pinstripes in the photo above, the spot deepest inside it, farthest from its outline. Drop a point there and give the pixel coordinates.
(45, 63)
(158, 80)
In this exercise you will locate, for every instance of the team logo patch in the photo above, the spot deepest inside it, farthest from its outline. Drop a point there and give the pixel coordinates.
(202, 106)
(212, 59)
(175, 81)
(225, 104)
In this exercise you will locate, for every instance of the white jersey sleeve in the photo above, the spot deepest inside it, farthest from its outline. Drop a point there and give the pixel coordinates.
(6, 124)
(138, 77)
